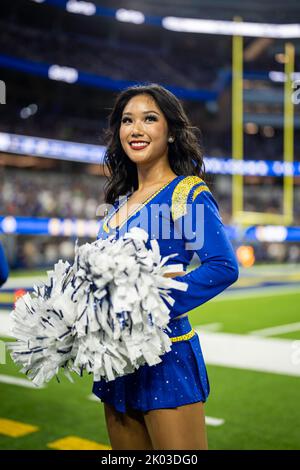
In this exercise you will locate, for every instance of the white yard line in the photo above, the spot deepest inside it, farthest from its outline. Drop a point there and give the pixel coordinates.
(277, 330)
(277, 356)
(11, 380)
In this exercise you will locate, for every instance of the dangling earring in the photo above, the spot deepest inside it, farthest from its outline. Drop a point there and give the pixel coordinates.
(171, 139)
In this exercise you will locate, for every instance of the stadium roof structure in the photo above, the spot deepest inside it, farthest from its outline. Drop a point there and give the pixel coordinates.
(41, 35)
(272, 11)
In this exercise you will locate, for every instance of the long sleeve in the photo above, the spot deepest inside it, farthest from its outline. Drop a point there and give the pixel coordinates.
(4, 269)
(219, 267)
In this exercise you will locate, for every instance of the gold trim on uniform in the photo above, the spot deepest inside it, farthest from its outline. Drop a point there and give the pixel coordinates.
(199, 190)
(105, 225)
(185, 337)
(181, 193)
(105, 228)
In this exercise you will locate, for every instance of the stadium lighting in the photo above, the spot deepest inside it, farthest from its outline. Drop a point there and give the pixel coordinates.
(63, 74)
(81, 8)
(54, 227)
(276, 76)
(246, 256)
(28, 111)
(9, 224)
(22, 225)
(130, 16)
(5, 141)
(25, 113)
(94, 154)
(187, 25)
(271, 233)
(283, 168)
(50, 148)
(231, 28)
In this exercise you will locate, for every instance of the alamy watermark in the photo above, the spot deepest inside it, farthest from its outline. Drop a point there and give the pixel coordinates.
(2, 92)
(158, 221)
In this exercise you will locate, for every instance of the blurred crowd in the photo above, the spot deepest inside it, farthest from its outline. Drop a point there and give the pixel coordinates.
(45, 194)
(31, 193)
(40, 251)
(71, 195)
(185, 61)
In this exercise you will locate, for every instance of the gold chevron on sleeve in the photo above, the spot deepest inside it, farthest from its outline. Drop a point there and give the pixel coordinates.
(181, 193)
(199, 190)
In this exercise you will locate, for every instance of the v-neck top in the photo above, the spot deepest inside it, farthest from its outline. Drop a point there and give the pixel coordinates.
(135, 211)
(184, 218)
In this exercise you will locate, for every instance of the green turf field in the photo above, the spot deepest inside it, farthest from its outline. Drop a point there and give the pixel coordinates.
(259, 410)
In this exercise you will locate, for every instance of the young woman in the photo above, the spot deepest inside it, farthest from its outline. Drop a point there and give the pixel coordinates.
(4, 270)
(156, 162)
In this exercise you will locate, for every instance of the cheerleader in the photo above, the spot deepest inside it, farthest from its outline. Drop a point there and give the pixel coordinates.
(157, 183)
(4, 269)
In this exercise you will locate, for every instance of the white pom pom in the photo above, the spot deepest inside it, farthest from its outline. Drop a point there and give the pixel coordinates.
(43, 325)
(105, 314)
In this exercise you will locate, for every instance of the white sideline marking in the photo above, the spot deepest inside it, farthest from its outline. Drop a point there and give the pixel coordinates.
(276, 330)
(274, 355)
(214, 421)
(24, 282)
(208, 419)
(9, 379)
(229, 294)
(249, 352)
(211, 326)
(93, 397)
(5, 324)
(237, 294)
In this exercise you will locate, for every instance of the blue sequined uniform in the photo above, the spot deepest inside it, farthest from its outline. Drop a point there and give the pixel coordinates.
(184, 218)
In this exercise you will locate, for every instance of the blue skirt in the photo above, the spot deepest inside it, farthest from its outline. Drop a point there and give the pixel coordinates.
(180, 379)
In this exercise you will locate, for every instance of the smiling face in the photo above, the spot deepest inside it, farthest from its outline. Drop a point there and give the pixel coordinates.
(143, 130)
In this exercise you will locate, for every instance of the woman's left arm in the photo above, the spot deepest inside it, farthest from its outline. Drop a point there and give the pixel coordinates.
(219, 267)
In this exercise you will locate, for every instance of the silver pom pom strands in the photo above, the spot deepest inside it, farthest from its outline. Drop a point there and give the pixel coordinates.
(105, 314)
(43, 326)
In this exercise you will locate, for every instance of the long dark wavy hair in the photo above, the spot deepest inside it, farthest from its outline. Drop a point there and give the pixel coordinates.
(185, 154)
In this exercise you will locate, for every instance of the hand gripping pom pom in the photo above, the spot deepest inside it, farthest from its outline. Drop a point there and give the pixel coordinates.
(105, 314)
